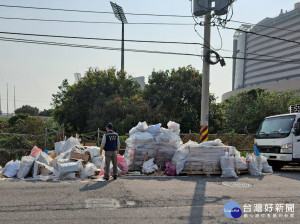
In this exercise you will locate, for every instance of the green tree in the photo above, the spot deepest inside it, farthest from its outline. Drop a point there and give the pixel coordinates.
(176, 95)
(46, 113)
(249, 108)
(26, 109)
(101, 96)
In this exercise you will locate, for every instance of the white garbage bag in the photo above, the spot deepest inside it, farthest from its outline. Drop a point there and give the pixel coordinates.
(182, 155)
(174, 126)
(141, 127)
(154, 129)
(227, 165)
(266, 167)
(65, 155)
(69, 144)
(216, 142)
(70, 167)
(253, 164)
(149, 166)
(94, 151)
(11, 168)
(97, 161)
(25, 166)
(141, 137)
(89, 170)
(44, 158)
(239, 162)
(58, 146)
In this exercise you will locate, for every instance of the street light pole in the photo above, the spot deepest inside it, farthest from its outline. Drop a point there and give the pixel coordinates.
(119, 14)
(205, 80)
(122, 53)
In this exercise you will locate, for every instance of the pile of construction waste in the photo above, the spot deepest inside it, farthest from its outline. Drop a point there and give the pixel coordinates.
(149, 149)
(152, 148)
(152, 142)
(68, 161)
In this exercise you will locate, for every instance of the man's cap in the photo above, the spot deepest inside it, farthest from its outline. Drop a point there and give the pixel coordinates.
(109, 125)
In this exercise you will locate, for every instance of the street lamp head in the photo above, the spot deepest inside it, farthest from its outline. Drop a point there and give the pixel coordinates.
(119, 13)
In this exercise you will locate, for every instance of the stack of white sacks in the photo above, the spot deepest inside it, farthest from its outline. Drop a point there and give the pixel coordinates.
(152, 142)
(42, 166)
(229, 162)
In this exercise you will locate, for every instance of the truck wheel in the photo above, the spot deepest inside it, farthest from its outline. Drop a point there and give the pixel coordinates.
(277, 167)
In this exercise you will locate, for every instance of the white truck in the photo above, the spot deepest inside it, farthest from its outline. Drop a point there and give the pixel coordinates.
(278, 138)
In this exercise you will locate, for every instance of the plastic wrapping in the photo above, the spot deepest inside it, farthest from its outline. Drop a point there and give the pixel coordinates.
(240, 162)
(11, 168)
(154, 129)
(216, 142)
(69, 167)
(170, 169)
(227, 165)
(174, 126)
(142, 126)
(35, 151)
(181, 156)
(149, 166)
(44, 158)
(156, 142)
(25, 166)
(266, 167)
(97, 161)
(58, 146)
(89, 170)
(69, 144)
(122, 164)
(206, 158)
(254, 165)
(94, 151)
(164, 155)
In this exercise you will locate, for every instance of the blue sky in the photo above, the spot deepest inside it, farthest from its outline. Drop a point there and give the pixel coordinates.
(37, 70)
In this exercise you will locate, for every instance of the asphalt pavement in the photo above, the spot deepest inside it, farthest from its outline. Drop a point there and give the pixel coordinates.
(135, 200)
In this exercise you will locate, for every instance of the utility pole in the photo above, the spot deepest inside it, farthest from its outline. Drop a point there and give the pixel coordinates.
(7, 100)
(14, 99)
(0, 106)
(205, 79)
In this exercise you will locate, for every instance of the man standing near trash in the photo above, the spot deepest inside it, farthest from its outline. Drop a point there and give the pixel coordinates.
(111, 145)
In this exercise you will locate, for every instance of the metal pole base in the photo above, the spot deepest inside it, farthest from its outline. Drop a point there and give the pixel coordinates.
(204, 134)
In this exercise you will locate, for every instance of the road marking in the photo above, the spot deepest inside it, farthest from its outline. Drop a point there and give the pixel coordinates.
(102, 203)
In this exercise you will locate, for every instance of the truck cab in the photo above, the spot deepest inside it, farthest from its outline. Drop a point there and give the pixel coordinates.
(278, 139)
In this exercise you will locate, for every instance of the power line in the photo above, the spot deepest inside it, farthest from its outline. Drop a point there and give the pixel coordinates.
(263, 35)
(91, 11)
(265, 26)
(92, 47)
(111, 39)
(93, 22)
(134, 14)
(104, 39)
(135, 50)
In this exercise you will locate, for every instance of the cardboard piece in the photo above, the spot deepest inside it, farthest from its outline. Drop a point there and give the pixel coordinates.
(77, 156)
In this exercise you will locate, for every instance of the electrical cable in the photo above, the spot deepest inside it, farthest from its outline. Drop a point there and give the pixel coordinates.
(92, 47)
(90, 11)
(134, 50)
(93, 22)
(118, 40)
(96, 38)
(263, 35)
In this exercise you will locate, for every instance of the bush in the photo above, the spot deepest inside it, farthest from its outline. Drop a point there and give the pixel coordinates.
(15, 142)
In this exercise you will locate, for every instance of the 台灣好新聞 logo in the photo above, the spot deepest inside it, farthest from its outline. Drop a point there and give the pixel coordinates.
(232, 210)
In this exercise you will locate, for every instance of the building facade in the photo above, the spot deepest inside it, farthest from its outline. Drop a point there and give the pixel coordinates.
(263, 62)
